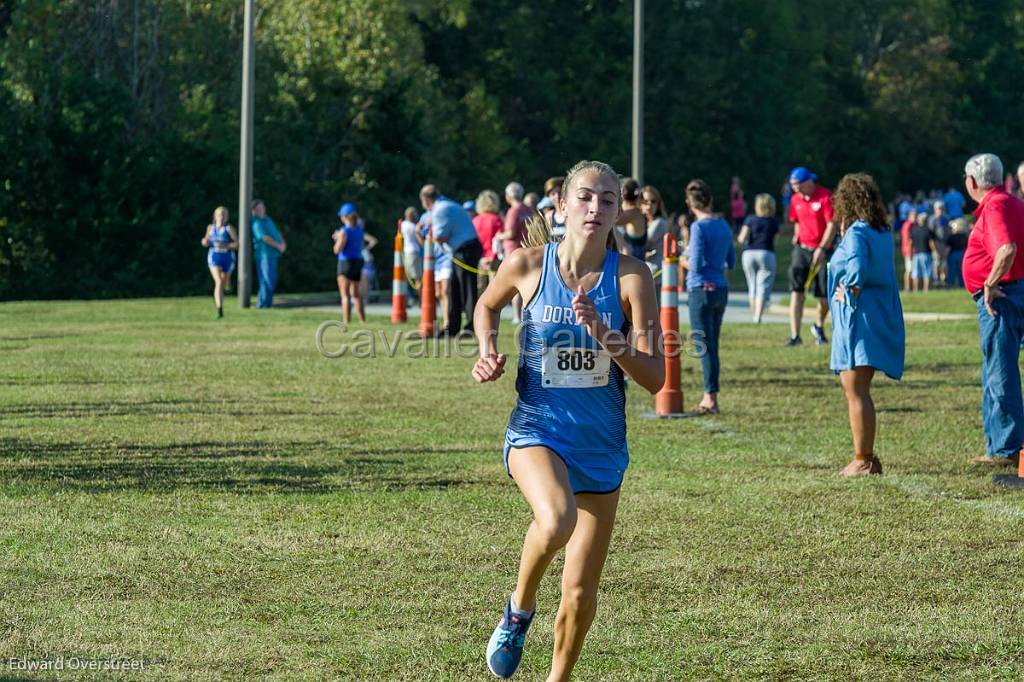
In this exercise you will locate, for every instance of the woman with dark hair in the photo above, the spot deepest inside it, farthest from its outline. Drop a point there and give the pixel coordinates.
(867, 319)
(631, 224)
(658, 225)
(708, 254)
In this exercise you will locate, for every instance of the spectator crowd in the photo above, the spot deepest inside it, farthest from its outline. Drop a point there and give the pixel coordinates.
(471, 238)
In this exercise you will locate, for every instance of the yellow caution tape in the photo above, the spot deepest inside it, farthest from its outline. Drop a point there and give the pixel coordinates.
(475, 271)
(810, 278)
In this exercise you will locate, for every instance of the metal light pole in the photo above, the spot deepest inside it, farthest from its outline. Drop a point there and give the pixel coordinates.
(245, 162)
(638, 90)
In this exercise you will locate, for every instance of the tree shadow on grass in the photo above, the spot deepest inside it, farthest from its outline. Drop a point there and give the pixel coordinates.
(308, 300)
(121, 408)
(63, 381)
(39, 337)
(237, 467)
(775, 383)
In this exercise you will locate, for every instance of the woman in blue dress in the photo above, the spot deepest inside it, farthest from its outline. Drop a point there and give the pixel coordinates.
(867, 318)
(221, 242)
(591, 318)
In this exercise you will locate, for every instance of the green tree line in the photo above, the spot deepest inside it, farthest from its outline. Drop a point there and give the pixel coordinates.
(120, 117)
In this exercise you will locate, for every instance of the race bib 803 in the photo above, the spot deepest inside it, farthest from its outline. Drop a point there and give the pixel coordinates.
(570, 367)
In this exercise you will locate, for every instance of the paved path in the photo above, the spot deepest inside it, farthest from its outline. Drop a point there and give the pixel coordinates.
(738, 310)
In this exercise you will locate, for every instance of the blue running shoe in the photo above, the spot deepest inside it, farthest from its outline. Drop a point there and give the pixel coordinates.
(505, 649)
(819, 335)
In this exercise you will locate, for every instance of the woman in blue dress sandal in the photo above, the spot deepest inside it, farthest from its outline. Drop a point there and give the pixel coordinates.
(867, 317)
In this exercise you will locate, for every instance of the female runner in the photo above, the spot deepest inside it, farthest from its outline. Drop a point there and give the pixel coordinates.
(222, 242)
(591, 317)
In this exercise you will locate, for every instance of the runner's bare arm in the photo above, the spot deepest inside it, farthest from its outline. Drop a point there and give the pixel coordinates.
(744, 235)
(640, 355)
(647, 364)
(518, 274)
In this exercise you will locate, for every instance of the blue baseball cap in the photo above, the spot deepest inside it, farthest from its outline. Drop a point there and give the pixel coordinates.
(469, 205)
(801, 174)
(347, 210)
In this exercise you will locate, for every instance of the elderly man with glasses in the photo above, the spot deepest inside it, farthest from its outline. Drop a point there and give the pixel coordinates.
(993, 271)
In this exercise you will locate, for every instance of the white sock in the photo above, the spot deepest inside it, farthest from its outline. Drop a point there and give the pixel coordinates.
(518, 611)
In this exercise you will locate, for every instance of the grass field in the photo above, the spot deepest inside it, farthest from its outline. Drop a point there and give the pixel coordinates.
(219, 501)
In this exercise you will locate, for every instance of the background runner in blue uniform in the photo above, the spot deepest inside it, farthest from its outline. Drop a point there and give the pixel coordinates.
(222, 242)
(348, 247)
(591, 317)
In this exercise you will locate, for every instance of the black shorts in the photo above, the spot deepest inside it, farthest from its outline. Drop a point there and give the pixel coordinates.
(800, 268)
(351, 269)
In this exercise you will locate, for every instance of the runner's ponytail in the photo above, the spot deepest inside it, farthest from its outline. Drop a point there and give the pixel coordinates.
(537, 233)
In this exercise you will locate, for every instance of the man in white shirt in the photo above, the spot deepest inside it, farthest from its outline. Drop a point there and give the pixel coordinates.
(412, 252)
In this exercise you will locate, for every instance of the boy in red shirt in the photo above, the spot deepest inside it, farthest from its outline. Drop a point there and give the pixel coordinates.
(810, 211)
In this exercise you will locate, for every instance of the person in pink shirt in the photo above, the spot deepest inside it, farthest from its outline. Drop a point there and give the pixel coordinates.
(514, 231)
(1010, 184)
(737, 204)
(906, 248)
(488, 224)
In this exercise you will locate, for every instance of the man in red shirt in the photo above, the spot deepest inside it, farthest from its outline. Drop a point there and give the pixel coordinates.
(810, 211)
(993, 272)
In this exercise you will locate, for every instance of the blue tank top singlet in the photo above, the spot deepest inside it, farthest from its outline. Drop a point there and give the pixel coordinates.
(572, 396)
(220, 238)
(353, 249)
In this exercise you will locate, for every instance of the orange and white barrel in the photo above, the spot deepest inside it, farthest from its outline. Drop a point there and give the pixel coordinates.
(398, 290)
(428, 302)
(669, 400)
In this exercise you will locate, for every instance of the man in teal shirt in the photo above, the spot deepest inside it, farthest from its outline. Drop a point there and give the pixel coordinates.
(267, 248)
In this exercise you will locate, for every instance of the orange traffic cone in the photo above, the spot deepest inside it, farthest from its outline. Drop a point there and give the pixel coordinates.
(428, 311)
(669, 400)
(398, 295)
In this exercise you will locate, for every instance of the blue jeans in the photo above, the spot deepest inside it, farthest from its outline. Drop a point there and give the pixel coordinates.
(266, 268)
(707, 308)
(922, 264)
(954, 270)
(1002, 409)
